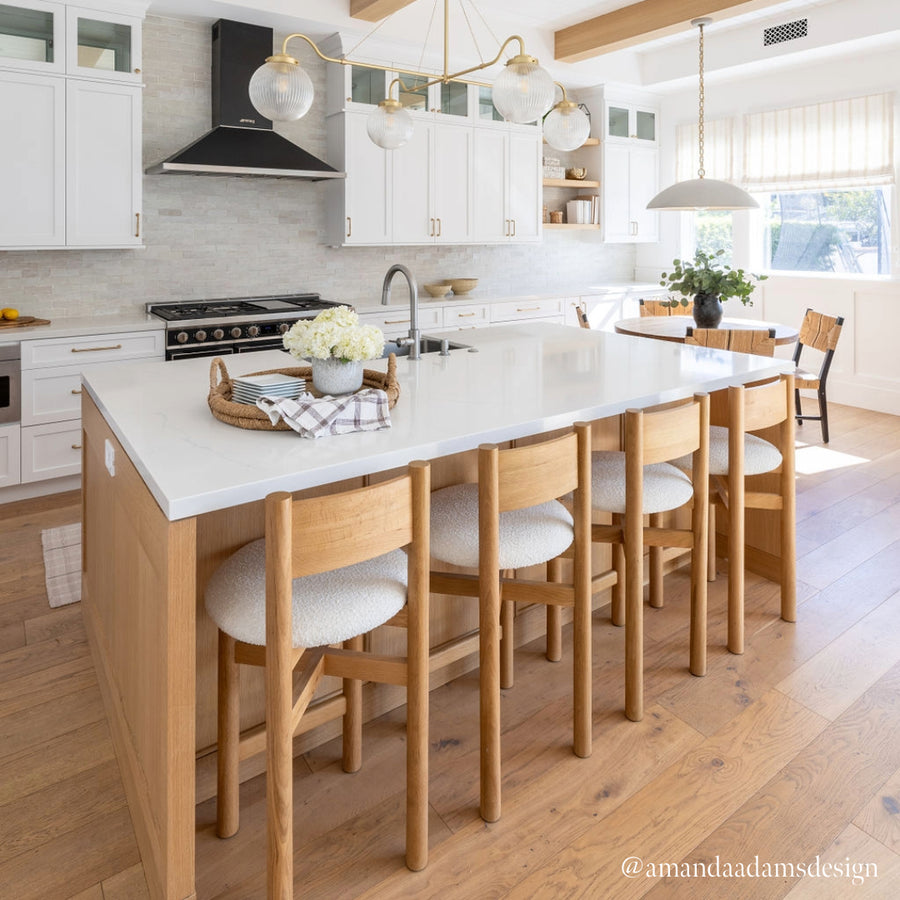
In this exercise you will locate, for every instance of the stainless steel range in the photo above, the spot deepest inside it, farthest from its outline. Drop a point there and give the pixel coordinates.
(233, 325)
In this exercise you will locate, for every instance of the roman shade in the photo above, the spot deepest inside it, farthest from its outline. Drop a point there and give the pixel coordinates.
(839, 143)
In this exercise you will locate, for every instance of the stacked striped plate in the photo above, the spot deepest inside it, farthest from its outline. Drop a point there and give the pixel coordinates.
(249, 388)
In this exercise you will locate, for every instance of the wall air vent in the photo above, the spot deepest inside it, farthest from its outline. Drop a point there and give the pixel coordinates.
(790, 31)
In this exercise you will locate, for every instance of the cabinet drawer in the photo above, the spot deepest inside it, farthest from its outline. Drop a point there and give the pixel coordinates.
(9, 455)
(396, 321)
(51, 395)
(466, 316)
(51, 451)
(89, 349)
(526, 309)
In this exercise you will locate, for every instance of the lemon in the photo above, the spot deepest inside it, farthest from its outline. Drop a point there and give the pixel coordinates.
(10, 313)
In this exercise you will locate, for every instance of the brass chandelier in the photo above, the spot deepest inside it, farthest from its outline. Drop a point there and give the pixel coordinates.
(281, 90)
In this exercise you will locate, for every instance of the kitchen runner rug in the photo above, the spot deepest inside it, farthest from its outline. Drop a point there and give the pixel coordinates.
(62, 564)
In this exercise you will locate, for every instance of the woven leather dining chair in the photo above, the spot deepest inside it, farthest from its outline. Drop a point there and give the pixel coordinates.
(329, 570)
(513, 519)
(639, 482)
(820, 332)
(757, 341)
(658, 308)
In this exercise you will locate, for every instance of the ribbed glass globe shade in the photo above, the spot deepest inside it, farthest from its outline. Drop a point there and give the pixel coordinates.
(566, 129)
(523, 92)
(389, 129)
(281, 91)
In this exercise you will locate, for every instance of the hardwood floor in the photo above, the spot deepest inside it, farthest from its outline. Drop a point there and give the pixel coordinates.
(786, 755)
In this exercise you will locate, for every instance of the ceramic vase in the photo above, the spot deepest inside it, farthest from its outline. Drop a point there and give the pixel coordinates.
(707, 310)
(333, 376)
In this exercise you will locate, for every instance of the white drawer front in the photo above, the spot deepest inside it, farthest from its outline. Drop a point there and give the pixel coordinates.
(396, 321)
(466, 316)
(89, 349)
(526, 309)
(50, 451)
(51, 395)
(9, 455)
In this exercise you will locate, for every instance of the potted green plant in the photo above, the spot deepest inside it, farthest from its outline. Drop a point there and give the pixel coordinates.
(709, 282)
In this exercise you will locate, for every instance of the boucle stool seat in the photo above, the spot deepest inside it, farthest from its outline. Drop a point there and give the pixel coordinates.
(528, 536)
(328, 608)
(665, 486)
(760, 456)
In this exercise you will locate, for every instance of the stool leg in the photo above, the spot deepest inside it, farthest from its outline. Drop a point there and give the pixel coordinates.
(711, 548)
(352, 723)
(823, 415)
(507, 643)
(634, 614)
(554, 615)
(229, 698)
(736, 516)
(788, 525)
(617, 606)
(656, 566)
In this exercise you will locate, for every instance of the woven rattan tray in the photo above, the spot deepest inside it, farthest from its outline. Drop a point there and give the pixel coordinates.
(243, 415)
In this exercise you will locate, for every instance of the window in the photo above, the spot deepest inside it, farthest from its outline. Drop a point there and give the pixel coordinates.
(713, 232)
(845, 231)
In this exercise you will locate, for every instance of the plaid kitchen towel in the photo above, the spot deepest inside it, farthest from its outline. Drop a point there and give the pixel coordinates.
(312, 417)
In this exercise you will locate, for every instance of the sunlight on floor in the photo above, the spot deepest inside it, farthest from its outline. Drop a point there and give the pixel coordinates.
(813, 459)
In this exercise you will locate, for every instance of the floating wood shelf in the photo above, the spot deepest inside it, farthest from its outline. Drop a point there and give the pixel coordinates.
(570, 183)
(573, 226)
(590, 142)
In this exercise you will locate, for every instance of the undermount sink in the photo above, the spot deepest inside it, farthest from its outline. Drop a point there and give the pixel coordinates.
(427, 344)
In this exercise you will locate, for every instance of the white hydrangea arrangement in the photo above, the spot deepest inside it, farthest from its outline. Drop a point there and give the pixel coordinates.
(334, 333)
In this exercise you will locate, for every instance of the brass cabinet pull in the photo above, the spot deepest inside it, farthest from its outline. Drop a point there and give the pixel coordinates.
(439, 228)
(76, 392)
(396, 321)
(432, 228)
(95, 349)
(349, 227)
(528, 309)
(76, 446)
(464, 315)
(513, 227)
(137, 224)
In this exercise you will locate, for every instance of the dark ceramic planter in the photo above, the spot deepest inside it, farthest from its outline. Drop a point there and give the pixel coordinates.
(707, 310)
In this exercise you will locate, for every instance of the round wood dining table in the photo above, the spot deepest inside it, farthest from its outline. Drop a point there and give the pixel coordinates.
(674, 328)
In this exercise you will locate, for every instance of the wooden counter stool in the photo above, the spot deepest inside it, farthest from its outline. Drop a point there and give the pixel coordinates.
(820, 332)
(658, 308)
(736, 454)
(513, 519)
(638, 482)
(329, 570)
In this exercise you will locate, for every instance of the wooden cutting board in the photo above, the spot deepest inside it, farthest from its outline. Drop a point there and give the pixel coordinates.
(22, 321)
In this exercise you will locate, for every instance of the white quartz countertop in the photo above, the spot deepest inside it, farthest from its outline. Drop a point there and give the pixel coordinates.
(478, 295)
(80, 325)
(525, 379)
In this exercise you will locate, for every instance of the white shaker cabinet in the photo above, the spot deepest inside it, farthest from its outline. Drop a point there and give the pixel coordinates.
(630, 180)
(506, 185)
(103, 167)
(359, 209)
(431, 194)
(9, 455)
(32, 160)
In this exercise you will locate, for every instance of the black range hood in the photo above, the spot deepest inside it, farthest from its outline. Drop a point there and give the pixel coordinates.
(242, 141)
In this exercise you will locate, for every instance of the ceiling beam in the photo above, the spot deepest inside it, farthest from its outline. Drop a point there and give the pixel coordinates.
(376, 10)
(642, 22)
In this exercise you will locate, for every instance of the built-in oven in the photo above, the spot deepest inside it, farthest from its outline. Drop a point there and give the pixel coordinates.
(10, 383)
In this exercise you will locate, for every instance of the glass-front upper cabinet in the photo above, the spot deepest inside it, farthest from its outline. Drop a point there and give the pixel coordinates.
(630, 122)
(103, 45)
(32, 36)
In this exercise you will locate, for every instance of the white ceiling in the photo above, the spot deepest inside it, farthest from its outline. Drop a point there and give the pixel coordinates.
(734, 46)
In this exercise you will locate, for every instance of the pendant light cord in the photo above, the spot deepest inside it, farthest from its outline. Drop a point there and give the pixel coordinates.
(701, 171)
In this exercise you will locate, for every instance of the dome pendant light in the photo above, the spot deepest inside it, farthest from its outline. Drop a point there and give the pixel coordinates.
(702, 192)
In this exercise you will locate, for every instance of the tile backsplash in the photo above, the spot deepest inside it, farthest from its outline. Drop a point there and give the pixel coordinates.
(224, 236)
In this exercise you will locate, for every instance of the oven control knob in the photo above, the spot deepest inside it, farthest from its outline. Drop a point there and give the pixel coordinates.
(253, 331)
(236, 332)
(218, 334)
(182, 337)
(284, 327)
(200, 335)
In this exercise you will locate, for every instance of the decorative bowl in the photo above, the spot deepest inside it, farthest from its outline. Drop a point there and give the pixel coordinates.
(576, 174)
(462, 285)
(438, 290)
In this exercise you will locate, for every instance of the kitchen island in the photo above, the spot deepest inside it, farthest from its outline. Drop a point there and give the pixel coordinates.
(169, 491)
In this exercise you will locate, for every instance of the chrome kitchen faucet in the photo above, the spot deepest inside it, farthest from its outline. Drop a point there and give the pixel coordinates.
(413, 339)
